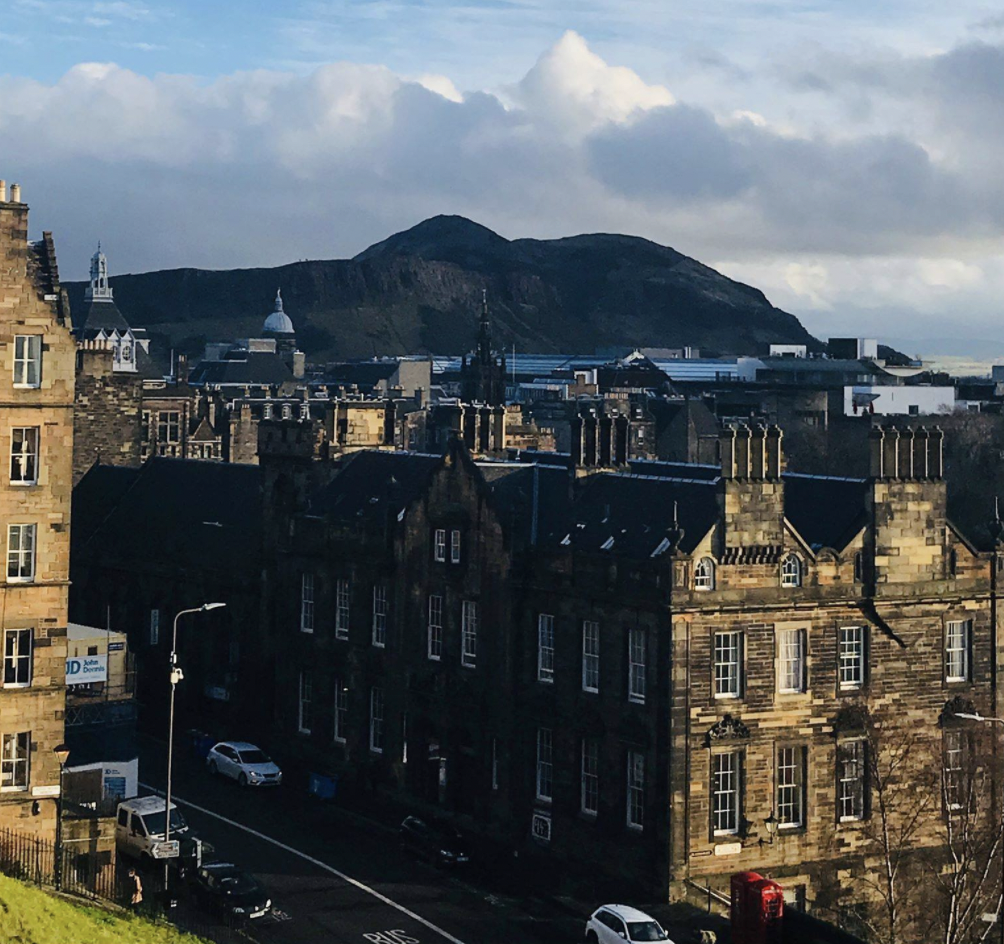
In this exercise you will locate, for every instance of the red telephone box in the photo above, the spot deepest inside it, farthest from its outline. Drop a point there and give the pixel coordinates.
(757, 909)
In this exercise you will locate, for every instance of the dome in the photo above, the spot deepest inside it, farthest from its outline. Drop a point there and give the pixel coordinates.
(278, 322)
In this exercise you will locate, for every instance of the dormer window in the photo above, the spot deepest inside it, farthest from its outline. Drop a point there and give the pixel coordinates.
(704, 574)
(791, 571)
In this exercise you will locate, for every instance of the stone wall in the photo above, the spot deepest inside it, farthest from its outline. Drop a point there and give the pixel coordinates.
(106, 421)
(31, 303)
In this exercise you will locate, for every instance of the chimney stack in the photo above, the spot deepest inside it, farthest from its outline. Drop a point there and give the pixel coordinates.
(15, 193)
(3, 191)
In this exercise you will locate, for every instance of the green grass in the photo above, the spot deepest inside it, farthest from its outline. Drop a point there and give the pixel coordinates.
(30, 916)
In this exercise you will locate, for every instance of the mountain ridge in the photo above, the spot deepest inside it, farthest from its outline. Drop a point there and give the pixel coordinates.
(419, 291)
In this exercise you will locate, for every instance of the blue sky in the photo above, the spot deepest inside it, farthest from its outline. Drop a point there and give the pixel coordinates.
(843, 156)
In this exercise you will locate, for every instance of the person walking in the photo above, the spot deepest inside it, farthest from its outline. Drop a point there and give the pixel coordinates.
(136, 885)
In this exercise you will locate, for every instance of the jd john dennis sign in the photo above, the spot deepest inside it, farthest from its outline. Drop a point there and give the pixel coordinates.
(83, 669)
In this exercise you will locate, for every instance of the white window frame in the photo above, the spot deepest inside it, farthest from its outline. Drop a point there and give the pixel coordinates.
(726, 782)
(18, 652)
(590, 656)
(469, 620)
(790, 786)
(455, 546)
(791, 571)
(435, 627)
(166, 419)
(22, 560)
(27, 353)
(791, 661)
(545, 764)
(341, 714)
(954, 767)
(379, 637)
(154, 636)
(704, 574)
(589, 786)
(635, 790)
(958, 638)
(15, 762)
(728, 656)
(27, 456)
(376, 719)
(306, 602)
(637, 664)
(343, 608)
(305, 702)
(439, 545)
(545, 648)
(851, 649)
(852, 766)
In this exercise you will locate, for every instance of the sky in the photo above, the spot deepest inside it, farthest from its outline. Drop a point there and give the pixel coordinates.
(843, 156)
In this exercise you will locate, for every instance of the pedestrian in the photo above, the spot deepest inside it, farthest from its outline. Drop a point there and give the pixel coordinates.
(136, 884)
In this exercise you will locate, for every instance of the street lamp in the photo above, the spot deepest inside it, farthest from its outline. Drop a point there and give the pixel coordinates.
(976, 716)
(175, 676)
(770, 824)
(62, 753)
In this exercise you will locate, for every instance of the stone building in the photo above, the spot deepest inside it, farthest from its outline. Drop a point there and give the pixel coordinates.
(36, 438)
(657, 675)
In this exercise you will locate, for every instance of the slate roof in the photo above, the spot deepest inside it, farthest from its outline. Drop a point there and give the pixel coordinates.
(826, 511)
(103, 315)
(178, 512)
(370, 483)
(260, 367)
(95, 496)
(365, 376)
(533, 501)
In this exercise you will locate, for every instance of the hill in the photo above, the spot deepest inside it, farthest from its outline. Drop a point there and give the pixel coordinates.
(420, 291)
(30, 916)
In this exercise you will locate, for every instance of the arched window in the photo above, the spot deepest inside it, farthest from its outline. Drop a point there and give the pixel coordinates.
(791, 571)
(704, 574)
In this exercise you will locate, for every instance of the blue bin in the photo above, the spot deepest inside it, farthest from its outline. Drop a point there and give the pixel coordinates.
(202, 745)
(322, 786)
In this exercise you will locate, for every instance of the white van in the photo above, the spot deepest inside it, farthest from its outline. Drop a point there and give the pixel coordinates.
(139, 831)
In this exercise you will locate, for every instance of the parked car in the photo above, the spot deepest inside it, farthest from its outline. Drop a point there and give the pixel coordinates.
(613, 924)
(231, 893)
(249, 765)
(434, 841)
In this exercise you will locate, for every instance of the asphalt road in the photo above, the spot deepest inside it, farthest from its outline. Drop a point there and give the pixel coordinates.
(335, 878)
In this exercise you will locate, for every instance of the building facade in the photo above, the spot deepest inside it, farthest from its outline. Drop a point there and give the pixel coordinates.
(36, 440)
(657, 679)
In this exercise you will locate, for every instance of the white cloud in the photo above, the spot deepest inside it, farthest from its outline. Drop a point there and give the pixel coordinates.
(266, 166)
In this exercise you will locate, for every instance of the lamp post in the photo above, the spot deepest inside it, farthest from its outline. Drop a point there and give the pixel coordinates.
(62, 753)
(976, 716)
(175, 676)
(770, 824)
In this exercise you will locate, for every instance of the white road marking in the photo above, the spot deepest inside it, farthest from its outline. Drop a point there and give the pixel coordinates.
(321, 865)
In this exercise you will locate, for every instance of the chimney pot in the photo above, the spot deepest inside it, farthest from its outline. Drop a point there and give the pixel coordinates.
(3, 191)
(15, 193)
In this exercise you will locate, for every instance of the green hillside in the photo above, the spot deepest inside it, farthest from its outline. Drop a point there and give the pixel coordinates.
(30, 916)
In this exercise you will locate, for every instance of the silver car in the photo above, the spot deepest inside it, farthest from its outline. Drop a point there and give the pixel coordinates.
(246, 763)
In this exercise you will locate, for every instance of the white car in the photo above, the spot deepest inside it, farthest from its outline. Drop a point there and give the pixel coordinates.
(613, 924)
(249, 765)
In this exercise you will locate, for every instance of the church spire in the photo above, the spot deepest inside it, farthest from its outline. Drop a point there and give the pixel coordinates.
(485, 331)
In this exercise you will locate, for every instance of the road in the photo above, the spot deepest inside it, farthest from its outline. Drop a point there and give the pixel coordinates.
(336, 878)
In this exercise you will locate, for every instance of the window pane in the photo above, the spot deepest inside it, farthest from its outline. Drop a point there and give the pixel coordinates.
(636, 789)
(789, 786)
(341, 710)
(725, 792)
(376, 720)
(852, 656)
(24, 455)
(469, 641)
(590, 656)
(342, 609)
(727, 664)
(380, 615)
(590, 799)
(435, 627)
(545, 767)
(792, 644)
(17, 657)
(957, 651)
(851, 780)
(636, 665)
(545, 648)
(307, 603)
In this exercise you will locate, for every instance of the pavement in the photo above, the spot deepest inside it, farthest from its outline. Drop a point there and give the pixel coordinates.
(339, 878)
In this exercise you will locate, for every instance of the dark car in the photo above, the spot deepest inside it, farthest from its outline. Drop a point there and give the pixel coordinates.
(230, 892)
(434, 841)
